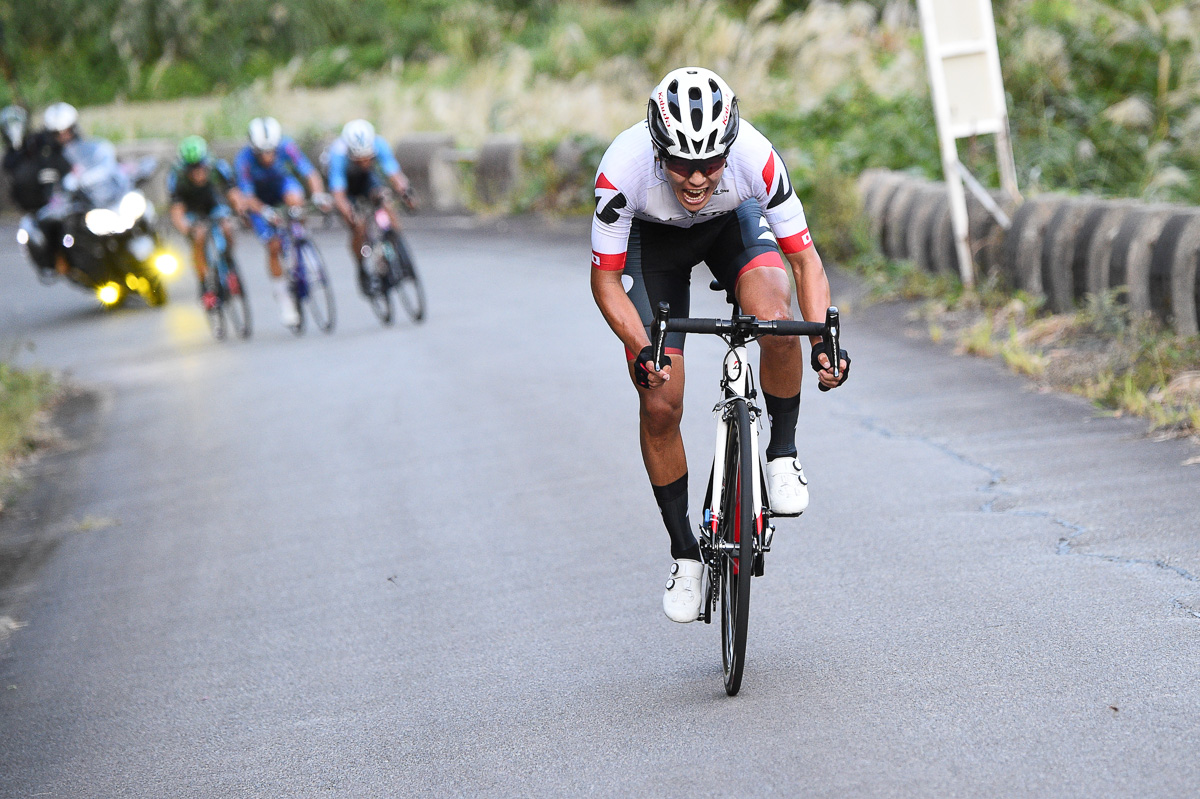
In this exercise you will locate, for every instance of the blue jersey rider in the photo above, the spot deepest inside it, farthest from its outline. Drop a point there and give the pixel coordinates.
(356, 161)
(269, 170)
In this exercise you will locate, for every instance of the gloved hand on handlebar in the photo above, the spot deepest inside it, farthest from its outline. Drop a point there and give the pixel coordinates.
(323, 201)
(821, 365)
(643, 370)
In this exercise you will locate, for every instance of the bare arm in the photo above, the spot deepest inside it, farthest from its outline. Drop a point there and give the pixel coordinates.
(179, 218)
(622, 317)
(812, 294)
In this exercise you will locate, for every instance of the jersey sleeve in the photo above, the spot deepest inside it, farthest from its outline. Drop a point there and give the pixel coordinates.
(223, 175)
(242, 164)
(173, 184)
(337, 169)
(783, 209)
(385, 159)
(610, 225)
(296, 156)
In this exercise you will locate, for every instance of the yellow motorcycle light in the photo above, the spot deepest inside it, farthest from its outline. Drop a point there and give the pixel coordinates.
(166, 263)
(131, 281)
(109, 293)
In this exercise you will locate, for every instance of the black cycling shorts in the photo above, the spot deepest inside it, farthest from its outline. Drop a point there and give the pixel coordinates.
(660, 259)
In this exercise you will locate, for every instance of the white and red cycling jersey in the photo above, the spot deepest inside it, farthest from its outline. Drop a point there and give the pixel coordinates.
(630, 183)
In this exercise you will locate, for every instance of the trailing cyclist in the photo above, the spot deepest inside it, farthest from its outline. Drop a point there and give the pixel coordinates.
(691, 183)
(202, 190)
(269, 170)
(356, 160)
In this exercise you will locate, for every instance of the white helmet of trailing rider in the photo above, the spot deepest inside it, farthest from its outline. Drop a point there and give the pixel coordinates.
(692, 114)
(359, 136)
(60, 117)
(264, 133)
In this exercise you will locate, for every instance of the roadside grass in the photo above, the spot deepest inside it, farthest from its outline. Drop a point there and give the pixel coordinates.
(1125, 364)
(24, 395)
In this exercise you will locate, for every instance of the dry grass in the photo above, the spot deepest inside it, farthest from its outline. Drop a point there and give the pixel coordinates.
(788, 65)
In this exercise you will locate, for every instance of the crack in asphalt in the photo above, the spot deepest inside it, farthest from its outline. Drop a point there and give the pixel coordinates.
(996, 477)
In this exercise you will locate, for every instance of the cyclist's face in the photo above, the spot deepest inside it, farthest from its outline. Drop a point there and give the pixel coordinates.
(694, 181)
(363, 163)
(265, 157)
(198, 174)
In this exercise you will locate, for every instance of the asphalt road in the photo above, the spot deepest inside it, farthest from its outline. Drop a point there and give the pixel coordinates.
(425, 561)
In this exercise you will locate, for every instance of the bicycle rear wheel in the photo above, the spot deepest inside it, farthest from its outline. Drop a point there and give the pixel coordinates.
(736, 527)
(319, 301)
(380, 275)
(405, 279)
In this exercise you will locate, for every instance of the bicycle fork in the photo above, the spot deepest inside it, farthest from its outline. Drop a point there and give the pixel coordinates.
(713, 548)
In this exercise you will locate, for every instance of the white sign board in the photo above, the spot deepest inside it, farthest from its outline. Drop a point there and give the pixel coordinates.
(968, 97)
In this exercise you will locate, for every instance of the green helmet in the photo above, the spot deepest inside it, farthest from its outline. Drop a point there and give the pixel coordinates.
(193, 150)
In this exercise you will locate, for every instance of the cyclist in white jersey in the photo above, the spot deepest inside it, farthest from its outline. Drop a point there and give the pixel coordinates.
(693, 183)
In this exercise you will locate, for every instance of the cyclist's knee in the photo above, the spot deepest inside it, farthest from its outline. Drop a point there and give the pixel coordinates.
(661, 411)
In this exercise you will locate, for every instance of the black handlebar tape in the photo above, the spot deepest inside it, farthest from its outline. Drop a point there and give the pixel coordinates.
(658, 333)
(762, 328)
(833, 339)
(786, 327)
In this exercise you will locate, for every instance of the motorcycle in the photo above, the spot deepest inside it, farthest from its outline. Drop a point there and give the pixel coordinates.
(107, 227)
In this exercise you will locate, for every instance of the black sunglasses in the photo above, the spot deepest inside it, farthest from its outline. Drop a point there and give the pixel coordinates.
(684, 167)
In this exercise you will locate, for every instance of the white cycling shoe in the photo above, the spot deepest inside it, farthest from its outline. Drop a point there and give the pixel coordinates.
(682, 600)
(288, 313)
(787, 487)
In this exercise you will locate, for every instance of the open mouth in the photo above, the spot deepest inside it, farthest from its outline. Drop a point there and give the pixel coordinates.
(694, 196)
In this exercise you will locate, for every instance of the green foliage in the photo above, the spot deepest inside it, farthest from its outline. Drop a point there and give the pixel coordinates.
(22, 394)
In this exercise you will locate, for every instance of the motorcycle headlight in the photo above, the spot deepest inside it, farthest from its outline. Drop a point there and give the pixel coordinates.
(103, 222)
(132, 206)
(166, 263)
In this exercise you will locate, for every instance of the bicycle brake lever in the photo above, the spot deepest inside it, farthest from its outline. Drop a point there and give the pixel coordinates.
(833, 339)
(658, 333)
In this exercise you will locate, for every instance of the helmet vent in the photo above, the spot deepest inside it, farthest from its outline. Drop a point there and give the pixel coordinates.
(712, 141)
(683, 145)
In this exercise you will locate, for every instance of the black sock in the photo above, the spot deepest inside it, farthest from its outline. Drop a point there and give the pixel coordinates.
(673, 501)
(783, 414)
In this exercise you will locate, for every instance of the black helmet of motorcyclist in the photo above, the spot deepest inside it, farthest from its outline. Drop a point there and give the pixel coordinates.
(14, 122)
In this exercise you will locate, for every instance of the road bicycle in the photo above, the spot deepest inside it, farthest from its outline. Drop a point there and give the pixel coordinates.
(230, 305)
(308, 279)
(736, 531)
(389, 264)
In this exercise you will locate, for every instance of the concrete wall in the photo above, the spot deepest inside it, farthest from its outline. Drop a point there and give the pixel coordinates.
(1060, 247)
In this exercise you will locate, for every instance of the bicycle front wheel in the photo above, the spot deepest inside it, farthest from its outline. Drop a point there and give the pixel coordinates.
(233, 300)
(405, 279)
(319, 301)
(737, 528)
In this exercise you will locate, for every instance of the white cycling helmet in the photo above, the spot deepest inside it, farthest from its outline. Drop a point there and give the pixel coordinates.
(264, 133)
(60, 117)
(359, 136)
(692, 114)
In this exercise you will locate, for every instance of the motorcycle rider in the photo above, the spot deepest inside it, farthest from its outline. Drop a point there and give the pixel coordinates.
(14, 123)
(36, 174)
(355, 160)
(267, 170)
(201, 188)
